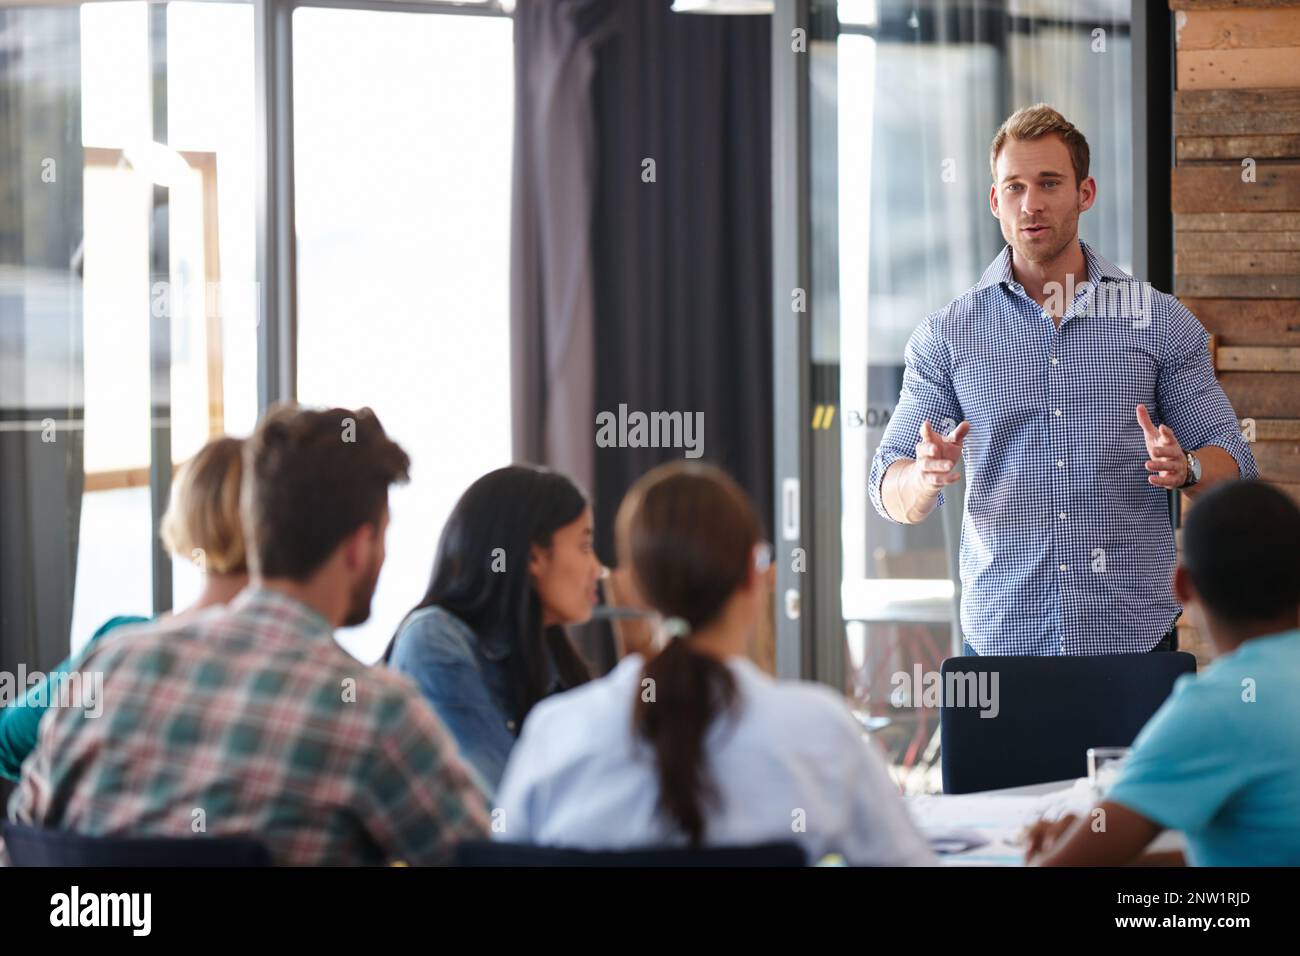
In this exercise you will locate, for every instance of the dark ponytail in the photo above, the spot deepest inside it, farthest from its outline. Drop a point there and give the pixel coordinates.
(688, 533)
(690, 689)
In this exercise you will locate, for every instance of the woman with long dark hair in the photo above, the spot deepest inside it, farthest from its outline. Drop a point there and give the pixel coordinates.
(696, 745)
(515, 564)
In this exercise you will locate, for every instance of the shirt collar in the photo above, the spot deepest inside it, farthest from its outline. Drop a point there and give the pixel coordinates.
(290, 617)
(495, 647)
(1099, 268)
(491, 645)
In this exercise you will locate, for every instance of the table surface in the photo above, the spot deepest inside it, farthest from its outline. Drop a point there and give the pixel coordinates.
(1030, 790)
(998, 816)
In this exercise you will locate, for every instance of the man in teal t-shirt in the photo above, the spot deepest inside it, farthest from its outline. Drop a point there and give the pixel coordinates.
(1220, 760)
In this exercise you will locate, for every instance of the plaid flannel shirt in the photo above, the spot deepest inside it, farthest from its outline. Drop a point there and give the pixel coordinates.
(251, 720)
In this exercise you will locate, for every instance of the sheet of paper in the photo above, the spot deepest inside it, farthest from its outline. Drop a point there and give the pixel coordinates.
(998, 818)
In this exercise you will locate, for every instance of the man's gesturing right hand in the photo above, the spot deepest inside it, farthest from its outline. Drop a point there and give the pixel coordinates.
(910, 490)
(937, 457)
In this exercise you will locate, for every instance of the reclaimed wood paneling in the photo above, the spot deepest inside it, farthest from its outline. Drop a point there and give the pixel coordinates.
(1263, 394)
(1235, 322)
(1252, 358)
(1236, 121)
(1236, 29)
(1237, 241)
(1237, 222)
(1277, 429)
(1237, 69)
(1237, 287)
(1276, 186)
(1189, 102)
(1189, 5)
(1238, 263)
(1209, 148)
(1277, 460)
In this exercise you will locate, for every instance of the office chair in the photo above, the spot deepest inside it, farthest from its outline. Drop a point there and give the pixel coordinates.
(1050, 711)
(33, 846)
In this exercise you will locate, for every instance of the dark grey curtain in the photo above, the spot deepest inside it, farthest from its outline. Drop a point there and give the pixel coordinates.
(650, 294)
(683, 265)
(551, 310)
(41, 408)
(40, 332)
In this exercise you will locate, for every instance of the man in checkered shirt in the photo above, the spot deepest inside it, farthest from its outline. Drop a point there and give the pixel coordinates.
(1076, 397)
(250, 720)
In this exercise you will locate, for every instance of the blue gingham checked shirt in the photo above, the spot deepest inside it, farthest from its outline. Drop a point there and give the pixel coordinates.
(1065, 546)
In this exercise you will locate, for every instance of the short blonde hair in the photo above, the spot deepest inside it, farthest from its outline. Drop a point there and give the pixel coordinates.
(1035, 122)
(203, 511)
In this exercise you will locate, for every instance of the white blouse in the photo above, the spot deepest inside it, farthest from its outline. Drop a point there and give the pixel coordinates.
(792, 764)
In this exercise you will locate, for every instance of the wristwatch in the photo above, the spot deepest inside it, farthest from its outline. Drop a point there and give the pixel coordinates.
(1193, 471)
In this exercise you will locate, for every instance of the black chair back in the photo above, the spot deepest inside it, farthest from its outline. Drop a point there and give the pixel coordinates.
(32, 846)
(1050, 710)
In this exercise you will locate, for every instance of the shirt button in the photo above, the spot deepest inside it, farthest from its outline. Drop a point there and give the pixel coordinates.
(1058, 413)
(1059, 463)
(510, 726)
(1055, 360)
(1062, 515)
(1065, 567)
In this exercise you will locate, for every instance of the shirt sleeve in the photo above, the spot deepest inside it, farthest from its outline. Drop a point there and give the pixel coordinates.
(31, 797)
(927, 394)
(449, 677)
(1186, 763)
(1190, 400)
(880, 830)
(18, 723)
(420, 799)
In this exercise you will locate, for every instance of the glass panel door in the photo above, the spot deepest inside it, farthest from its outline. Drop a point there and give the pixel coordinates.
(904, 99)
(168, 264)
(127, 319)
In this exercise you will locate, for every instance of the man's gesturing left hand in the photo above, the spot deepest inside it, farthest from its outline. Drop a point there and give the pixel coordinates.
(1168, 462)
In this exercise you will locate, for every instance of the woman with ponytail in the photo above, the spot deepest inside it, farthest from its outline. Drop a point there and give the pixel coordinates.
(696, 745)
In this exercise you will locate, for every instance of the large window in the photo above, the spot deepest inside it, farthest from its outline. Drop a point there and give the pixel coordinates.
(134, 293)
(127, 327)
(402, 128)
(181, 255)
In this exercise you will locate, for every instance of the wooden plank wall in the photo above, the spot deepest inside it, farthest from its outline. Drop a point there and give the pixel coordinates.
(1236, 205)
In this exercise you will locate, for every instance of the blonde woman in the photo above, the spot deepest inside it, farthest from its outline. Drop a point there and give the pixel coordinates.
(201, 525)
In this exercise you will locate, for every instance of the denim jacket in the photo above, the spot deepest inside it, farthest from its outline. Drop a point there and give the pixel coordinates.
(467, 682)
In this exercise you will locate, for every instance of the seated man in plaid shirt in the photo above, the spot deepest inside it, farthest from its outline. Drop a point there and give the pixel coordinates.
(251, 720)
(1077, 398)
